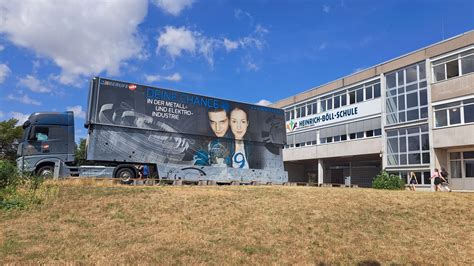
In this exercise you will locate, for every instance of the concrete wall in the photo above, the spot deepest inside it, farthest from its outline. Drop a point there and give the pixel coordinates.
(338, 149)
(456, 136)
(453, 88)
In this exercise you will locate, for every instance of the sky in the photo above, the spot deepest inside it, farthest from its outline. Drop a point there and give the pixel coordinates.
(254, 51)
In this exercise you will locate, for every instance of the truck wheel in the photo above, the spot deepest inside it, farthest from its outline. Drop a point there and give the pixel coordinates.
(125, 175)
(46, 171)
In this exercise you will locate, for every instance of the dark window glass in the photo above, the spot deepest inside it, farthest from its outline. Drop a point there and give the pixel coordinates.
(411, 74)
(425, 142)
(469, 113)
(452, 69)
(343, 99)
(391, 104)
(403, 144)
(423, 98)
(469, 166)
(426, 158)
(292, 114)
(360, 95)
(329, 104)
(360, 135)
(424, 112)
(369, 133)
(41, 133)
(352, 136)
(422, 85)
(329, 139)
(352, 97)
(413, 143)
(323, 106)
(421, 70)
(297, 145)
(412, 87)
(403, 159)
(287, 116)
(455, 156)
(439, 72)
(337, 101)
(412, 100)
(412, 115)
(413, 130)
(426, 178)
(401, 90)
(337, 138)
(392, 133)
(391, 80)
(343, 137)
(378, 132)
(368, 93)
(454, 116)
(414, 158)
(401, 102)
(377, 90)
(401, 78)
(441, 118)
(467, 64)
(468, 155)
(392, 145)
(401, 117)
(322, 140)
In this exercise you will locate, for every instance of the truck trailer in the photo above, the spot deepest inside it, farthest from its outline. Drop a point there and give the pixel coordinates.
(175, 135)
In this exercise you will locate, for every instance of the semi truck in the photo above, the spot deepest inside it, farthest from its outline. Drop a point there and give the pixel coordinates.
(175, 135)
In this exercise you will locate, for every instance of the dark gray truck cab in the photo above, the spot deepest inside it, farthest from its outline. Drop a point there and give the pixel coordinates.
(47, 142)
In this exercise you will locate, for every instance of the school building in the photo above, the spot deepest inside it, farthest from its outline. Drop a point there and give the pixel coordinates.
(412, 113)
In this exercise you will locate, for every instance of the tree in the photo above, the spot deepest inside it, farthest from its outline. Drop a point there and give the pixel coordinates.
(80, 152)
(9, 134)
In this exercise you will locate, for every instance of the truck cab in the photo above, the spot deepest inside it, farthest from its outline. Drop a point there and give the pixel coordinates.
(47, 142)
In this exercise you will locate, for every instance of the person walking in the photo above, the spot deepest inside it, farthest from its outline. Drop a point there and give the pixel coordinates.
(444, 179)
(412, 181)
(437, 179)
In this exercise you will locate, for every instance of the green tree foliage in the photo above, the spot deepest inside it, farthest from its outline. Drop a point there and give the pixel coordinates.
(80, 152)
(9, 132)
(385, 180)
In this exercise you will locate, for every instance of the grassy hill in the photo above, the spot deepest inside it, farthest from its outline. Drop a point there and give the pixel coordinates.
(240, 225)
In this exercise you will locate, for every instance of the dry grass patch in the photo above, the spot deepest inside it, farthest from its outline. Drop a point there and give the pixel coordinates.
(233, 225)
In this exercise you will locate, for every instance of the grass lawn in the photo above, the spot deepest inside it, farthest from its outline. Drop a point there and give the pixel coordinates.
(240, 225)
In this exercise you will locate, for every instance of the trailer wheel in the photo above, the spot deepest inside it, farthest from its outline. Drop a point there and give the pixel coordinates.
(46, 171)
(125, 175)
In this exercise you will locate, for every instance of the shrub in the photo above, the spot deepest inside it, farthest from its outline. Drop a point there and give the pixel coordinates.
(385, 180)
(8, 175)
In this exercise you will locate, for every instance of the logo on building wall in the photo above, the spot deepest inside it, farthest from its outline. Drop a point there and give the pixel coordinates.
(291, 125)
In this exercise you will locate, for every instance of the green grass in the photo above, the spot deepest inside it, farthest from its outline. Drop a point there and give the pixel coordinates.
(240, 225)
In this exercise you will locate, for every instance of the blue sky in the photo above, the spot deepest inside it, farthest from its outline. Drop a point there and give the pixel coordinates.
(250, 51)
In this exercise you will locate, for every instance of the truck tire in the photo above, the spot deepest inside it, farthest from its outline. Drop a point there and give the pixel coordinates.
(125, 175)
(46, 171)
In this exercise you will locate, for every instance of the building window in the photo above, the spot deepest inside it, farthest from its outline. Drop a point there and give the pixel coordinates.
(455, 164)
(455, 113)
(408, 146)
(406, 95)
(454, 66)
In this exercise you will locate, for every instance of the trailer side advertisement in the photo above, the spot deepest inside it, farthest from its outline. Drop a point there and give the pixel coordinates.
(138, 123)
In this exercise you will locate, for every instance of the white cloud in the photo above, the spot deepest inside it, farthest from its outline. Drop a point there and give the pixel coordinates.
(177, 41)
(264, 102)
(78, 112)
(2, 47)
(230, 45)
(153, 78)
(326, 8)
(83, 38)
(34, 84)
(23, 99)
(4, 72)
(1, 114)
(20, 117)
(173, 7)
